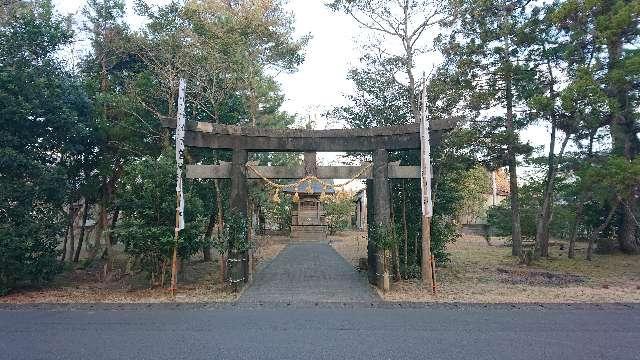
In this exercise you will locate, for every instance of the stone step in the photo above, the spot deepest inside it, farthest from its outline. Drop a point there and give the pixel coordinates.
(309, 233)
(309, 228)
(308, 237)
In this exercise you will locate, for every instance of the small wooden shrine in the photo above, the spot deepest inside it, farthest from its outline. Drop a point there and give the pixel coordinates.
(308, 218)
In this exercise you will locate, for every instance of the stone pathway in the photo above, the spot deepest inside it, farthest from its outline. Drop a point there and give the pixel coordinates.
(309, 272)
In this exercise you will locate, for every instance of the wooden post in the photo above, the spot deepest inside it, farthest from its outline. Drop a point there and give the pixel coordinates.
(426, 251)
(180, 128)
(425, 185)
(174, 258)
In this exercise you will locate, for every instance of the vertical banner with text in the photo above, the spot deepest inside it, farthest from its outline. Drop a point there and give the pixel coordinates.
(180, 125)
(425, 158)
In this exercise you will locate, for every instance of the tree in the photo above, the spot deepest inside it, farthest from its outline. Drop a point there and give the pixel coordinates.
(148, 200)
(123, 130)
(41, 107)
(612, 182)
(482, 49)
(407, 22)
(561, 92)
(379, 99)
(610, 30)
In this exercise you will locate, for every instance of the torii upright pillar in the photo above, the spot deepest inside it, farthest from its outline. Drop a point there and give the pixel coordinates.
(238, 262)
(380, 198)
(310, 164)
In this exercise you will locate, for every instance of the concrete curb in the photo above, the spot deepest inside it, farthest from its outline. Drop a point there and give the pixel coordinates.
(324, 305)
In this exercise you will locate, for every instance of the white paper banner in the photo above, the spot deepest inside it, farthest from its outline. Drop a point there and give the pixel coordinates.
(425, 158)
(180, 123)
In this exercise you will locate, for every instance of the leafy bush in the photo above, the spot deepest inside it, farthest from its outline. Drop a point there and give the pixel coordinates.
(234, 235)
(339, 210)
(278, 212)
(476, 182)
(384, 236)
(499, 216)
(148, 202)
(28, 254)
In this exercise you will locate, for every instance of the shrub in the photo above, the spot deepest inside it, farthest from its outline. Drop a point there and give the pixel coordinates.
(28, 254)
(339, 210)
(234, 235)
(148, 202)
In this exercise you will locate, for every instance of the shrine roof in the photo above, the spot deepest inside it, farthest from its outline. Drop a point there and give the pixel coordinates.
(315, 185)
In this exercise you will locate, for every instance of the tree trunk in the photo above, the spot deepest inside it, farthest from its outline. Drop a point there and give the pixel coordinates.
(542, 244)
(544, 218)
(408, 58)
(412, 86)
(415, 250)
(66, 238)
(114, 221)
(625, 141)
(516, 235)
(581, 202)
(599, 229)
(85, 214)
(574, 229)
(206, 250)
(108, 190)
(99, 229)
(627, 239)
(72, 237)
(405, 231)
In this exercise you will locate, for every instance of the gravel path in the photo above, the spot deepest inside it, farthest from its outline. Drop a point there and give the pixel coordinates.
(309, 272)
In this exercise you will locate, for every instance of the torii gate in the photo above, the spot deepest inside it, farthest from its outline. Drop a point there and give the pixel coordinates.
(379, 141)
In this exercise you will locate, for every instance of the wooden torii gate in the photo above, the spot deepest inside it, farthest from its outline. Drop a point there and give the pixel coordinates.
(379, 141)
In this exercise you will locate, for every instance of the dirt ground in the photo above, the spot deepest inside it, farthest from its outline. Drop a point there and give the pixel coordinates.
(478, 273)
(352, 245)
(198, 281)
(483, 273)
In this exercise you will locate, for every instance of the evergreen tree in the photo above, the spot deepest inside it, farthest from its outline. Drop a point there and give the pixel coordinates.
(482, 48)
(42, 108)
(609, 30)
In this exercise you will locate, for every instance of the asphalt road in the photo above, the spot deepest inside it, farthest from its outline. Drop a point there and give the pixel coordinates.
(336, 332)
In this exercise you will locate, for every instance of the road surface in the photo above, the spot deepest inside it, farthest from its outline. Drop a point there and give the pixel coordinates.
(338, 331)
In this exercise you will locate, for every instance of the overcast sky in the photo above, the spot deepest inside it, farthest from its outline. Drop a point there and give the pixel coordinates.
(320, 83)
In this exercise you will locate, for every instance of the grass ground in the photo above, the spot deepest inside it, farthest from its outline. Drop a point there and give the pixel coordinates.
(480, 272)
(199, 281)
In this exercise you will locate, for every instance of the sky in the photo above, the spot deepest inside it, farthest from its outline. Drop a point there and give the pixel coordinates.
(321, 82)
